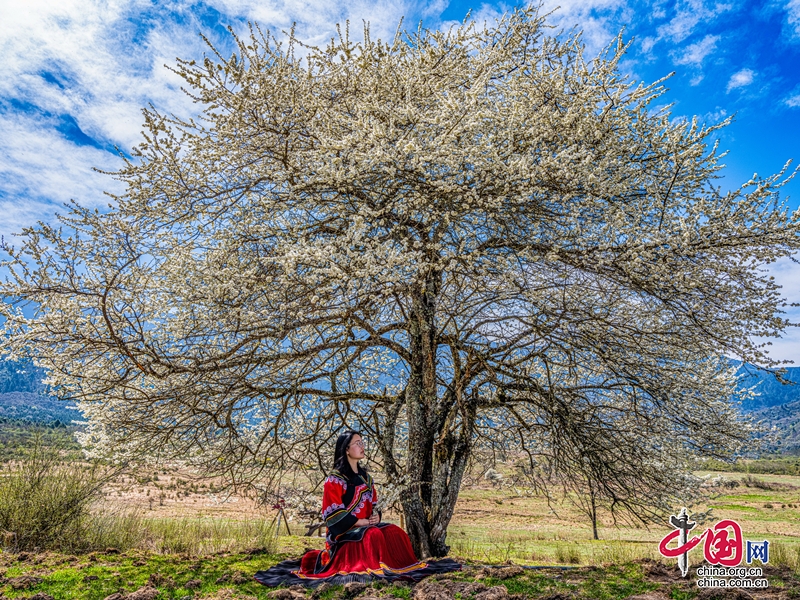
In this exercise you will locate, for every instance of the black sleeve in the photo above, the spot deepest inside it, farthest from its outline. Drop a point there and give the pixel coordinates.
(344, 524)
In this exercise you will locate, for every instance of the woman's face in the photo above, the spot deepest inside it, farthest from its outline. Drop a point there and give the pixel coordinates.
(356, 448)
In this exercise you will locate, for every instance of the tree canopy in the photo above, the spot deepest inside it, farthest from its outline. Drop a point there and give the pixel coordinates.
(450, 238)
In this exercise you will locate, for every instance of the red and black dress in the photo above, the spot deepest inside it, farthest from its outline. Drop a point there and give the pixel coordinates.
(351, 553)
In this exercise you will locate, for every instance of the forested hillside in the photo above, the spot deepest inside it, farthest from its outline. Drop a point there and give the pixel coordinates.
(20, 377)
(33, 408)
(772, 392)
(23, 399)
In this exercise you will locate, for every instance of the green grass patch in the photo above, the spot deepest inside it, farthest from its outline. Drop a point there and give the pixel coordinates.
(174, 576)
(529, 584)
(780, 465)
(738, 507)
(618, 582)
(750, 497)
(680, 594)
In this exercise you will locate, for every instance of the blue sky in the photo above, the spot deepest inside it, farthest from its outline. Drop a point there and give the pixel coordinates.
(75, 74)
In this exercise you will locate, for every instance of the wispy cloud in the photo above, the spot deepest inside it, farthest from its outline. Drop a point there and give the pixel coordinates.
(742, 78)
(648, 43)
(75, 74)
(690, 14)
(793, 18)
(793, 101)
(694, 54)
(787, 275)
(598, 20)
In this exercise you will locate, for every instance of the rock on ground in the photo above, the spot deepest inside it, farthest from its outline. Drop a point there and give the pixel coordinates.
(448, 589)
(354, 588)
(506, 572)
(24, 582)
(497, 592)
(144, 593)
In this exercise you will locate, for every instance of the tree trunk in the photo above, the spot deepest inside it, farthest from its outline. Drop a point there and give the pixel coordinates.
(439, 435)
(428, 508)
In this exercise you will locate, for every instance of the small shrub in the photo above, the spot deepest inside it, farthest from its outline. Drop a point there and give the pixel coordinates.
(206, 536)
(569, 554)
(617, 553)
(781, 555)
(45, 501)
(755, 482)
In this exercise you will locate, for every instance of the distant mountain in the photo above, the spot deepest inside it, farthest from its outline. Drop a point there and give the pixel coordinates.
(784, 420)
(24, 399)
(772, 392)
(30, 408)
(777, 406)
(21, 376)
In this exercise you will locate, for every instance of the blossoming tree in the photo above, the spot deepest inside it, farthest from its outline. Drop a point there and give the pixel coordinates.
(447, 239)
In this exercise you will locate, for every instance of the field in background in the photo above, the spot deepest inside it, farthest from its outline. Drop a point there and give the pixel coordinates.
(180, 538)
(493, 524)
(168, 510)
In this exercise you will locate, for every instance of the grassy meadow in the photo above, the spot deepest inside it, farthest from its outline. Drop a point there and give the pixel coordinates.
(168, 535)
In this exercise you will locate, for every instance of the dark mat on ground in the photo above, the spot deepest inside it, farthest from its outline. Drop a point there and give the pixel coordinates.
(282, 574)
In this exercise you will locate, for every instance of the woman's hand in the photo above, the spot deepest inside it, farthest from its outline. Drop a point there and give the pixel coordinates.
(373, 520)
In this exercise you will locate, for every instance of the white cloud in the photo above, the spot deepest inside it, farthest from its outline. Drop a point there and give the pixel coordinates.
(315, 19)
(647, 44)
(435, 8)
(93, 65)
(599, 20)
(90, 66)
(742, 78)
(787, 347)
(694, 54)
(690, 14)
(793, 101)
(715, 116)
(793, 17)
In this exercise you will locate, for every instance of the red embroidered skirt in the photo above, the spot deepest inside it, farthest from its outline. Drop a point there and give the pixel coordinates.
(381, 551)
(378, 552)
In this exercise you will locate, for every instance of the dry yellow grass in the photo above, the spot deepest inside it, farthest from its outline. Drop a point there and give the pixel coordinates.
(492, 524)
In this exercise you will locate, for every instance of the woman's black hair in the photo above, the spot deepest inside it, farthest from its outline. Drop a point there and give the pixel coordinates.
(340, 462)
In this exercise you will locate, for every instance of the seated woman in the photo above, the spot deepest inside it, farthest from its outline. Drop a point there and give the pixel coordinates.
(357, 540)
(358, 546)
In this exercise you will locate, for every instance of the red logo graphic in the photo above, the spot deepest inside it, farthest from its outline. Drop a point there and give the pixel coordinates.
(723, 544)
